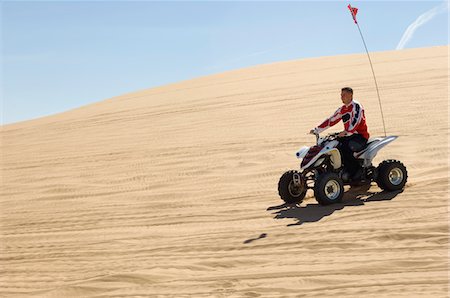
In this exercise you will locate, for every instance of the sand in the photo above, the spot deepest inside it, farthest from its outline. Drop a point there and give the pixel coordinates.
(172, 191)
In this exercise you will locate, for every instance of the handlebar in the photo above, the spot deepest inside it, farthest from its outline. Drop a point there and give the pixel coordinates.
(332, 136)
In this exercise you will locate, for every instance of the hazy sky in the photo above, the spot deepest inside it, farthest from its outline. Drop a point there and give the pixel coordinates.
(60, 55)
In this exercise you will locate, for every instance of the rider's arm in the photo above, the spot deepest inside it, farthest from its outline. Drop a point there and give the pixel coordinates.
(332, 120)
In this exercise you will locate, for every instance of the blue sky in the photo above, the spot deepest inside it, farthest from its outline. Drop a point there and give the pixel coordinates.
(60, 55)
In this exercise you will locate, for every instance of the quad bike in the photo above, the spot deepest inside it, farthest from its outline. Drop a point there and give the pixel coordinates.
(322, 170)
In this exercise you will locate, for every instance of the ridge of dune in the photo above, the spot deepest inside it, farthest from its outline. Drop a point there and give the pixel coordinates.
(172, 191)
(287, 68)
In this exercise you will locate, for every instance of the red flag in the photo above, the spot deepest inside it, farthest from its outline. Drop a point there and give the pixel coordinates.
(353, 11)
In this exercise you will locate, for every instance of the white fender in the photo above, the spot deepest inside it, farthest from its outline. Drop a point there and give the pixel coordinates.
(302, 152)
(372, 149)
(336, 161)
(335, 157)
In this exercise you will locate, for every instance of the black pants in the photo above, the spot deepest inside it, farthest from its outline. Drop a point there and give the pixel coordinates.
(349, 145)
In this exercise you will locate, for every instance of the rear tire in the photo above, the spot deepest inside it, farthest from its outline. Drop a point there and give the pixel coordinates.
(288, 191)
(392, 175)
(328, 189)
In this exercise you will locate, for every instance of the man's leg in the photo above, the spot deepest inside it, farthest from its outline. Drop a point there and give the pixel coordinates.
(350, 163)
(356, 143)
(347, 156)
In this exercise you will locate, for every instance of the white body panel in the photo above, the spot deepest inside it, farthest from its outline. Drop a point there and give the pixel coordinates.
(302, 152)
(329, 149)
(374, 145)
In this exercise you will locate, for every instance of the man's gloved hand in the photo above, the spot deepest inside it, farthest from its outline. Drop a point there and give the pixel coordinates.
(313, 131)
(342, 134)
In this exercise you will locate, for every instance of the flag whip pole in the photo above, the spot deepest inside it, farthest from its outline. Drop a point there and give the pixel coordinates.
(353, 11)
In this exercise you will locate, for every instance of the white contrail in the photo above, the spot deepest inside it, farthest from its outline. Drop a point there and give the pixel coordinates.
(422, 19)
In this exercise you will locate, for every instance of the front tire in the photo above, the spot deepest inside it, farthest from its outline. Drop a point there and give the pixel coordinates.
(392, 175)
(328, 189)
(289, 191)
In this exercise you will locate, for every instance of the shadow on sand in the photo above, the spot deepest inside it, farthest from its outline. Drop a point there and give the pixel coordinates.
(355, 196)
(263, 235)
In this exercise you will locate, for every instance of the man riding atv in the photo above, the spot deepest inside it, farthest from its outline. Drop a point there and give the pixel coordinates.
(340, 159)
(355, 135)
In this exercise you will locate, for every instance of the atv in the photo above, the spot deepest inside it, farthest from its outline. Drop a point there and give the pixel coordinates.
(322, 170)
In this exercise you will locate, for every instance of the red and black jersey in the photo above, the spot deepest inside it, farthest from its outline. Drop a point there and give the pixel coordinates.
(353, 117)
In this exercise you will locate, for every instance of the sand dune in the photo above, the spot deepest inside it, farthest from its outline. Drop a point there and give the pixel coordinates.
(173, 190)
